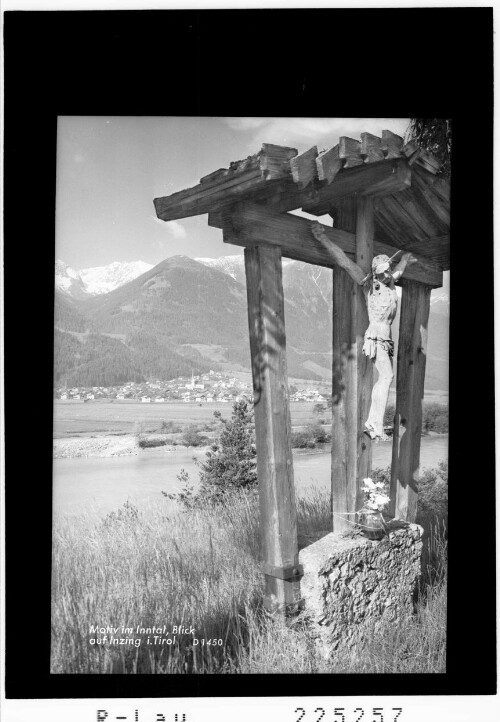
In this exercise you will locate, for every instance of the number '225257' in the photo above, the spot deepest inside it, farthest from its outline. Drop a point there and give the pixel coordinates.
(378, 714)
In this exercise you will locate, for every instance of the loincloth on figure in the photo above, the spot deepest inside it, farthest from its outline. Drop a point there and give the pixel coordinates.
(373, 340)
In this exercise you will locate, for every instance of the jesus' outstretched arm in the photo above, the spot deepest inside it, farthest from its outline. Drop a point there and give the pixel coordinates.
(337, 254)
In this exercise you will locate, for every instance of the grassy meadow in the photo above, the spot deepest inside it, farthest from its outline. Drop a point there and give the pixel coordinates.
(117, 417)
(168, 566)
(76, 418)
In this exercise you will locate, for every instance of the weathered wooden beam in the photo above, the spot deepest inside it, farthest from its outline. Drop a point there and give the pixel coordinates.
(427, 221)
(252, 224)
(224, 187)
(365, 233)
(382, 178)
(439, 186)
(399, 181)
(402, 218)
(343, 383)
(412, 350)
(278, 514)
(392, 144)
(350, 151)
(275, 160)
(328, 164)
(435, 250)
(427, 194)
(416, 155)
(303, 167)
(352, 379)
(344, 214)
(216, 219)
(410, 149)
(207, 196)
(371, 147)
(265, 184)
(428, 161)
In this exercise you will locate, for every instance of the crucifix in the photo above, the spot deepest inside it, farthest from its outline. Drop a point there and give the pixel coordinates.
(382, 305)
(393, 192)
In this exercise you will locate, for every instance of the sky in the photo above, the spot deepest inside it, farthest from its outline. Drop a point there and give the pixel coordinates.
(109, 169)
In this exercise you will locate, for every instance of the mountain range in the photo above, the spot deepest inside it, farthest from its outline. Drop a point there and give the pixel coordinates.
(98, 280)
(132, 321)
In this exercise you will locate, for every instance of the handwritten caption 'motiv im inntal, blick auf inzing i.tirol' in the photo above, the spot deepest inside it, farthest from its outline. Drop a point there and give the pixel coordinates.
(134, 637)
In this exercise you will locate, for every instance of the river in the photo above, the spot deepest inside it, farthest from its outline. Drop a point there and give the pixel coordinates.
(104, 484)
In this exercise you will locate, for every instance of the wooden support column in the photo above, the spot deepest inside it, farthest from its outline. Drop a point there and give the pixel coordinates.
(278, 514)
(352, 376)
(412, 350)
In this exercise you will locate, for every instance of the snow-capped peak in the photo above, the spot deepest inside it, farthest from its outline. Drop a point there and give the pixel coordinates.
(97, 280)
(439, 296)
(234, 266)
(103, 279)
(68, 281)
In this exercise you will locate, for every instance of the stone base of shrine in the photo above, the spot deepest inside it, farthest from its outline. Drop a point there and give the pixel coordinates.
(351, 583)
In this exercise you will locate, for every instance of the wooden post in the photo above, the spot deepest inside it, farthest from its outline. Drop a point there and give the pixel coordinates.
(278, 513)
(352, 376)
(412, 350)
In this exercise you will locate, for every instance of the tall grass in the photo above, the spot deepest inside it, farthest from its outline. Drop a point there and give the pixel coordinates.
(164, 566)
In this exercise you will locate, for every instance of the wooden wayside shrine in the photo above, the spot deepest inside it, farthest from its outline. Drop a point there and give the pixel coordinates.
(383, 196)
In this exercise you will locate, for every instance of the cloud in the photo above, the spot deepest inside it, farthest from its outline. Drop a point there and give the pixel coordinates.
(247, 123)
(302, 133)
(175, 229)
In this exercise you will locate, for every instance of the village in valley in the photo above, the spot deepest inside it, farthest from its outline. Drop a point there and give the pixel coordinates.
(211, 387)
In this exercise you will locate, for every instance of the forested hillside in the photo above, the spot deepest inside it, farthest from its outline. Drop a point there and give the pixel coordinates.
(185, 316)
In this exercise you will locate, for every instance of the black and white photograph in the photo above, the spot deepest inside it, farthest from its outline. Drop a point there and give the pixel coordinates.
(251, 395)
(237, 369)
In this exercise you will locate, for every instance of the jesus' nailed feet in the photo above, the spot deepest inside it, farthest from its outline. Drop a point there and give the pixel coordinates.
(370, 431)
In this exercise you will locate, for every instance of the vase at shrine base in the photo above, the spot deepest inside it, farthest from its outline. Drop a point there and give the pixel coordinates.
(371, 524)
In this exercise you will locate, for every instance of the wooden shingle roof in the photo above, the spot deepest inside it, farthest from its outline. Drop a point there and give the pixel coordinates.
(412, 201)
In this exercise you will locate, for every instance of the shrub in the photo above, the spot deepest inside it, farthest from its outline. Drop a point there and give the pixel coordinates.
(432, 506)
(320, 433)
(126, 514)
(433, 495)
(435, 418)
(303, 440)
(230, 465)
(390, 410)
(150, 443)
(192, 437)
(310, 437)
(319, 408)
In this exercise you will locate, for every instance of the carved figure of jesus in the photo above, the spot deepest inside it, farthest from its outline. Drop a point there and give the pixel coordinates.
(382, 305)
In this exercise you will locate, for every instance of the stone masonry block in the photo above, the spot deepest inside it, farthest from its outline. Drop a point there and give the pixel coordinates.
(349, 580)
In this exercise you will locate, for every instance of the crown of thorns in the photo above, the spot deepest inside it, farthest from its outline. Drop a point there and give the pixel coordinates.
(381, 260)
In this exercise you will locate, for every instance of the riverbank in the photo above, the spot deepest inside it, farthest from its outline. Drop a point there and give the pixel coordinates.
(127, 445)
(101, 447)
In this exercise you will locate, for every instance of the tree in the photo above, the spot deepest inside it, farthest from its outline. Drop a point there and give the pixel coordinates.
(191, 437)
(434, 136)
(231, 464)
(323, 406)
(319, 408)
